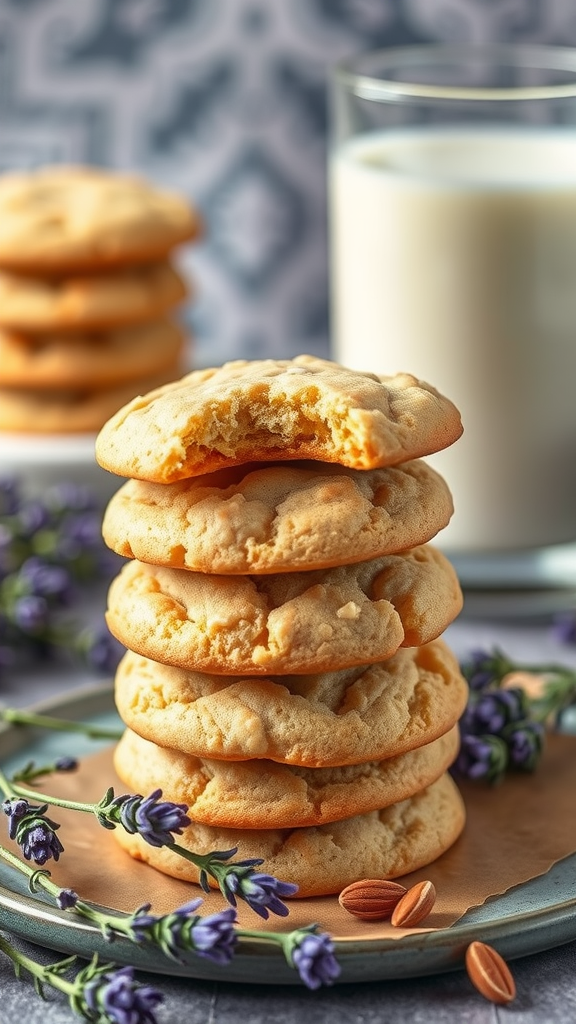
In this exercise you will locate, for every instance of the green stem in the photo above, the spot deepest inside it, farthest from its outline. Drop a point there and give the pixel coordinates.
(12, 789)
(95, 732)
(44, 975)
(39, 878)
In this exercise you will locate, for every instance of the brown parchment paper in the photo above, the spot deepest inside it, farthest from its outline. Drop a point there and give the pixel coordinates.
(514, 832)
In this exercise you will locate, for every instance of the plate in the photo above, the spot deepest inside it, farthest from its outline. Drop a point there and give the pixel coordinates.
(531, 917)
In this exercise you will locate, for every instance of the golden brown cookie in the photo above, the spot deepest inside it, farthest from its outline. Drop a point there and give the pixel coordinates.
(63, 218)
(126, 295)
(286, 622)
(34, 411)
(277, 517)
(382, 844)
(317, 721)
(264, 794)
(304, 408)
(90, 360)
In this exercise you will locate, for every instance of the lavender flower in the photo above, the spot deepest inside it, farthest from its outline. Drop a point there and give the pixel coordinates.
(212, 937)
(491, 711)
(313, 957)
(46, 580)
(30, 613)
(15, 808)
(33, 831)
(152, 819)
(261, 892)
(66, 764)
(564, 628)
(99, 649)
(67, 899)
(525, 745)
(115, 995)
(482, 757)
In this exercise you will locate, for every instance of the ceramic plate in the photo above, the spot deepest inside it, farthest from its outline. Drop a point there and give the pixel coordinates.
(529, 918)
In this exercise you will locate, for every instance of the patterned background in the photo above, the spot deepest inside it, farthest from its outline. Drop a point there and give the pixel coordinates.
(225, 100)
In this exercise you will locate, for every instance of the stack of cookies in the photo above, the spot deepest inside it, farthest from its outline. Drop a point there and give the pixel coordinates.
(87, 289)
(282, 610)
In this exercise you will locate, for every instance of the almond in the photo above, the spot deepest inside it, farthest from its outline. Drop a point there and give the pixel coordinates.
(415, 905)
(372, 899)
(489, 973)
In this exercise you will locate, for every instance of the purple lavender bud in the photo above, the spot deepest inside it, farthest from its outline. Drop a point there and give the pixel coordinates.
(482, 757)
(40, 842)
(564, 628)
(15, 809)
(67, 899)
(314, 960)
(9, 496)
(30, 613)
(66, 764)
(479, 670)
(155, 821)
(260, 891)
(119, 998)
(491, 711)
(47, 580)
(525, 745)
(32, 516)
(214, 937)
(101, 650)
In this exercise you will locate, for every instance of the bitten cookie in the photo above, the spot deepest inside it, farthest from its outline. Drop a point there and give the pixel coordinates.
(264, 794)
(331, 719)
(126, 295)
(64, 218)
(286, 622)
(264, 410)
(382, 844)
(89, 360)
(278, 517)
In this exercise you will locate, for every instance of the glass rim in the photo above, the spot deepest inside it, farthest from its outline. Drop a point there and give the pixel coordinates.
(349, 72)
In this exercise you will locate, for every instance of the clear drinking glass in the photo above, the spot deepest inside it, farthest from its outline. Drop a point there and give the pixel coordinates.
(452, 189)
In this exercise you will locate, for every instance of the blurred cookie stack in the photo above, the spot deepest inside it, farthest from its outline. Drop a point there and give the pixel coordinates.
(87, 295)
(282, 610)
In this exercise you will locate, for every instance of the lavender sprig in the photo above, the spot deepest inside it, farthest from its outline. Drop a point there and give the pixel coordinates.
(213, 937)
(308, 950)
(157, 822)
(99, 992)
(238, 880)
(503, 726)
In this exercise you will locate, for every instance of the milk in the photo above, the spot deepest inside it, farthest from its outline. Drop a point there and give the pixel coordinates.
(453, 257)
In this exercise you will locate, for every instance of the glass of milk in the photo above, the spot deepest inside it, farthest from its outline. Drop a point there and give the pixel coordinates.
(452, 191)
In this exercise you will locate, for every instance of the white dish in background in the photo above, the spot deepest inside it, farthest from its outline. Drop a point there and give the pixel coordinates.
(39, 461)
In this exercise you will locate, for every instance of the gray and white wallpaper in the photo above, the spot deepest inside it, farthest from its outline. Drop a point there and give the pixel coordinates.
(226, 101)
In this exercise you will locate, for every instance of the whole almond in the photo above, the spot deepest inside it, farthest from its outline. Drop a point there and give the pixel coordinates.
(372, 899)
(489, 973)
(415, 905)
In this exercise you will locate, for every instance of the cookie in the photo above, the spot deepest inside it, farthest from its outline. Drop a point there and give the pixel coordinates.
(317, 721)
(127, 295)
(264, 410)
(264, 794)
(286, 622)
(277, 517)
(63, 218)
(35, 411)
(89, 360)
(384, 843)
